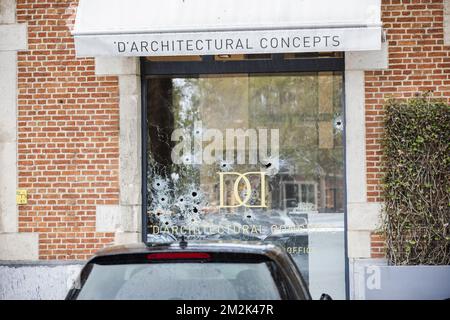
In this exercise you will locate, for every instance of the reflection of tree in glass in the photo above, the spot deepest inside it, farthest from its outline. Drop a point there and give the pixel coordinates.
(294, 104)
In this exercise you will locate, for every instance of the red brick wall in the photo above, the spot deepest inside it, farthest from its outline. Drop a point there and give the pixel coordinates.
(68, 128)
(418, 62)
(377, 246)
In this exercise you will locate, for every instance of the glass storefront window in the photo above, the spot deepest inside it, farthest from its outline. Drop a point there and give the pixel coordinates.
(254, 157)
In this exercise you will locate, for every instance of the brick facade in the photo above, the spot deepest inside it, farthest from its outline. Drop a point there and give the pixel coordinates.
(418, 62)
(68, 119)
(68, 127)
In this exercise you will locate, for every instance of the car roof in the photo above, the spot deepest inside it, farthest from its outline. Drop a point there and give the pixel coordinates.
(272, 251)
(205, 245)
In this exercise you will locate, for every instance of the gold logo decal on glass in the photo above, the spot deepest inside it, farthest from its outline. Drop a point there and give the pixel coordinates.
(247, 187)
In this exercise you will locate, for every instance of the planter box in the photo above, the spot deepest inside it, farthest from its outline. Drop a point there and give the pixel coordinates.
(377, 281)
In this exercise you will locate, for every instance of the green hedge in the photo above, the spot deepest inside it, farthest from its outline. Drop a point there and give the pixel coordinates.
(416, 183)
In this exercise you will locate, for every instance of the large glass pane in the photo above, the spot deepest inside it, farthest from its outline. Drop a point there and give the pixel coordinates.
(259, 157)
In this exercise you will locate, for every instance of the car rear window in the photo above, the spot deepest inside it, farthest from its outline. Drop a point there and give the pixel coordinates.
(180, 281)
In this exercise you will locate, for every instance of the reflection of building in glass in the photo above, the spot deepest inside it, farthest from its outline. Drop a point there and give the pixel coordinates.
(307, 175)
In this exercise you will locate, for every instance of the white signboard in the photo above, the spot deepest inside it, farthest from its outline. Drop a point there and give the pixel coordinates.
(242, 42)
(207, 27)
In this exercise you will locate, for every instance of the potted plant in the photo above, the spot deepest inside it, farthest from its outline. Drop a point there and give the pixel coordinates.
(416, 215)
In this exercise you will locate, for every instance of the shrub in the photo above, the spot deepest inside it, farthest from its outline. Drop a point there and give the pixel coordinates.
(416, 184)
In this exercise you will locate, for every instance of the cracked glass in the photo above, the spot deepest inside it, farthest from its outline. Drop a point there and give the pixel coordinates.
(251, 157)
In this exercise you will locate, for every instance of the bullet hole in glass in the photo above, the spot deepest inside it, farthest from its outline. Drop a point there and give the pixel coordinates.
(194, 194)
(338, 123)
(195, 210)
(268, 165)
(249, 216)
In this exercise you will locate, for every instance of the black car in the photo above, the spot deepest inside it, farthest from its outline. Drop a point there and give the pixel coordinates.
(191, 271)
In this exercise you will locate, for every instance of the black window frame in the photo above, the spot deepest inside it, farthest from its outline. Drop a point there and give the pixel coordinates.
(209, 65)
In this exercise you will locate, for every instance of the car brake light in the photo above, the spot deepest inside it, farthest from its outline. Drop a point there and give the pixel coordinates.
(178, 256)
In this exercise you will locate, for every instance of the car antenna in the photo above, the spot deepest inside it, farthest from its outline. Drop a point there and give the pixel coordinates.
(183, 242)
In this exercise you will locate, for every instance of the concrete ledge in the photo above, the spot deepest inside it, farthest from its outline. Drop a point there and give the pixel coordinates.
(13, 37)
(368, 60)
(19, 246)
(36, 282)
(116, 66)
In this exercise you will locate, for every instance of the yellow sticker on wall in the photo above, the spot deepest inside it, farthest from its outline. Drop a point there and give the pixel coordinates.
(21, 196)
